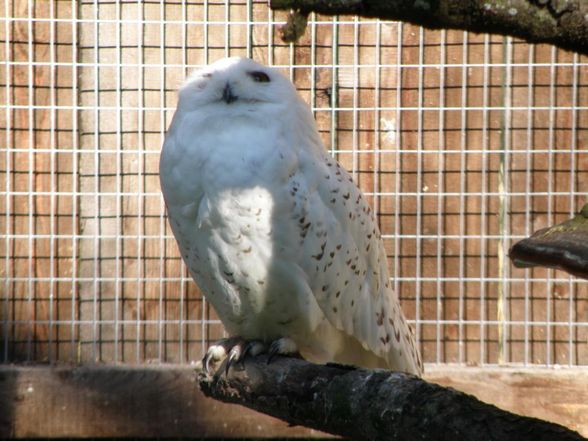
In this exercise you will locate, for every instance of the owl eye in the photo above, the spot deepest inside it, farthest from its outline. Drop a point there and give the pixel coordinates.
(259, 77)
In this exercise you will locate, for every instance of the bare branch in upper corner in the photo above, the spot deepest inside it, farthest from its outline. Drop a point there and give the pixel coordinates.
(562, 23)
(364, 404)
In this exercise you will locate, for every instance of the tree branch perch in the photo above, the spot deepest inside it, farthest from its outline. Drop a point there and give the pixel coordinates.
(563, 23)
(364, 404)
(563, 246)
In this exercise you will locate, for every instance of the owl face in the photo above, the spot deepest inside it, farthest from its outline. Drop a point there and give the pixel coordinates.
(234, 82)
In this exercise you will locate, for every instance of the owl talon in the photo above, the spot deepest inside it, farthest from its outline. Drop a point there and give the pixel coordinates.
(235, 355)
(221, 350)
(273, 351)
(215, 353)
(206, 363)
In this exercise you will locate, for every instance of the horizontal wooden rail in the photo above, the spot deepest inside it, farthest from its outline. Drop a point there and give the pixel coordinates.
(165, 401)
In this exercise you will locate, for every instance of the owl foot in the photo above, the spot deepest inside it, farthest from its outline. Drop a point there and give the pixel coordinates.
(233, 349)
(282, 346)
(218, 352)
(241, 350)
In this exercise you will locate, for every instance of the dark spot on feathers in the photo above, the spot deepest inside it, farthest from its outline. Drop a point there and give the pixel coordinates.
(367, 248)
(302, 219)
(333, 201)
(339, 246)
(261, 282)
(332, 254)
(396, 332)
(334, 309)
(346, 282)
(353, 266)
(336, 190)
(369, 236)
(380, 318)
(319, 256)
(248, 250)
(337, 294)
(325, 287)
(346, 196)
(348, 262)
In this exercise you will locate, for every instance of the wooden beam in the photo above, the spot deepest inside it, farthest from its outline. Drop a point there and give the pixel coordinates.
(164, 401)
(112, 401)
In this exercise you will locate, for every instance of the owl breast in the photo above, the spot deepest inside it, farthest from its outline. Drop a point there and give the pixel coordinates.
(228, 217)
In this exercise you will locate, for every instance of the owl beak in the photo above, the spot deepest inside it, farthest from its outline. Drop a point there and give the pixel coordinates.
(228, 95)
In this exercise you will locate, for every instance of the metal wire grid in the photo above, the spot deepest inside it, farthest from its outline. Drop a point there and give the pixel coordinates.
(463, 143)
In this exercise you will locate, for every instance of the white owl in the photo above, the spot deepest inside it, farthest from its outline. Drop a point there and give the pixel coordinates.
(273, 230)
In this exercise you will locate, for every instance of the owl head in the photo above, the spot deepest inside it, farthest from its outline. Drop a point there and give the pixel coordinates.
(233, 82)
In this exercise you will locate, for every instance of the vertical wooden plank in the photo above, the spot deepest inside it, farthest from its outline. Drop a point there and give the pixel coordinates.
(38, 131)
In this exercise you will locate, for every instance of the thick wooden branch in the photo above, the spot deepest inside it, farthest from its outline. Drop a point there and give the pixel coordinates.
(563, 23)
(563, 246)
(366, 404)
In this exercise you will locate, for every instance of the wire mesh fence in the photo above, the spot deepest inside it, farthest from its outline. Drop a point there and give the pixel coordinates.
(463, 144)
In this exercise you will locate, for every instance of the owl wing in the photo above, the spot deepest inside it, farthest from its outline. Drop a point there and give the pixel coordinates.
(346, 261)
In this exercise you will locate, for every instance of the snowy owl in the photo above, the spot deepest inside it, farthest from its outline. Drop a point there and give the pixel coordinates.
(273, 230)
